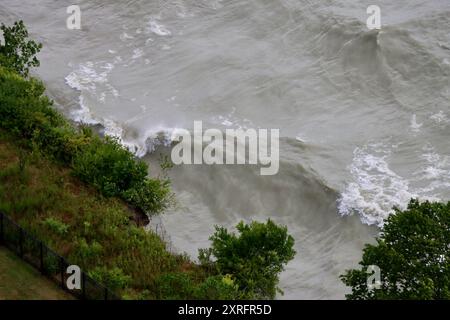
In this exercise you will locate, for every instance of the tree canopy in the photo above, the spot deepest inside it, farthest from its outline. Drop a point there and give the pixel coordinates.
(413, 254)
(17, 52)
(254, 258)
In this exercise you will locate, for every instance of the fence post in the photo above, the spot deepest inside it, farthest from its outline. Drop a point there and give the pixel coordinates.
(83, 285)
(61, 264)
(21, 242)
(106, 293)
(41, 256)
(2, 231)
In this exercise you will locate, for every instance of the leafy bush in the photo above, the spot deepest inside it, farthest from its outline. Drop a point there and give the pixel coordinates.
(56, 226)
(413, 254)
(180, 286)
(253, 259)
(17, 52)
(114, 171)
(108, 166)
(150, 195)
(114, 278)
(28, 114)
(218, 288)
(175, 286)
(86, 254)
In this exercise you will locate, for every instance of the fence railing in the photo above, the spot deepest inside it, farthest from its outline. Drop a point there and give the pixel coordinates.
(48, 262)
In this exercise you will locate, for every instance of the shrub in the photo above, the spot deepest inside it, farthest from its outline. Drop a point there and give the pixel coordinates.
(113, 278)
(253, 259)
(180, 286)
(108, 166)
(17, 52)
(413, 254)
(56, 226)
(28, 114)
(85, 253)
(218, 288)
(150, 195)
(175, 286)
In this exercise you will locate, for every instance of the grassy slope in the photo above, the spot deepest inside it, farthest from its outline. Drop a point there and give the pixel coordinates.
(20, 281)
(100, 232)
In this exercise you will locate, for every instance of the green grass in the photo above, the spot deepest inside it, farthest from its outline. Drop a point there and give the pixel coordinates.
(20, 281)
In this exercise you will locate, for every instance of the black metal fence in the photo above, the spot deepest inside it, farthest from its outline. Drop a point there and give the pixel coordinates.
(49, 263)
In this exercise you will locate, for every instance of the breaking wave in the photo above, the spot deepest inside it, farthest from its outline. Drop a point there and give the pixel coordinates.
(376, 188)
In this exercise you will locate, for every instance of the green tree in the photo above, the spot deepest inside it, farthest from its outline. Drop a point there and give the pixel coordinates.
(17, 52)
(253, 259)
(413, 254)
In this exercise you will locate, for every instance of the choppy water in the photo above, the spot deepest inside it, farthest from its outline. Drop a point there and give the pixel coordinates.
(364, 116)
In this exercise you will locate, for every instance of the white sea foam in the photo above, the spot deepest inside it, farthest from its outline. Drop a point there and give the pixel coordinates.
(125, 36)
(436, 170)
(157, 28)
(145, 143)
(114, 129)
(440, 117)
(151, 139)
(137, 53)
(375, 188)
(232, 120)
(91, 79)
(83, 114)
(117, 59)
(87, 76)
(227, 123)
(92, 82)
